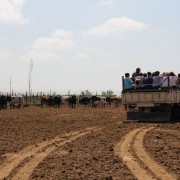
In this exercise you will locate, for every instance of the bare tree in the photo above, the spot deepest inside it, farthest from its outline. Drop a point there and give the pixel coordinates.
(30, 76)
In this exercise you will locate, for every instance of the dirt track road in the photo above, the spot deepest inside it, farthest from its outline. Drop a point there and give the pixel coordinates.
(85, 143)
(35, 154)
(132, 151)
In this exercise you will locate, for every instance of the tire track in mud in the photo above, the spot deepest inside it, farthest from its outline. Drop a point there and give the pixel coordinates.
(160, 172)
(36, 154)
(141, 165)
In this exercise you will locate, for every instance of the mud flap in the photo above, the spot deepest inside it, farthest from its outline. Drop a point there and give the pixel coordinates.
(149, 116)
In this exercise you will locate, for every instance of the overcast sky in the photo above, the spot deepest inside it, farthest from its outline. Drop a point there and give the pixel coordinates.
(85, 44)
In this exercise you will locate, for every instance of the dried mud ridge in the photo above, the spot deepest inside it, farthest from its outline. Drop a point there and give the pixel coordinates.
(22, 164)
(133, 154)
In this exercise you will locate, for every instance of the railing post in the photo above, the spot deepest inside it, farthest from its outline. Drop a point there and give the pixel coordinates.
(123, 83)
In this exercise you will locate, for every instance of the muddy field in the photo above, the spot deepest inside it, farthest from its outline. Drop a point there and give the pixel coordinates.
(85, 143)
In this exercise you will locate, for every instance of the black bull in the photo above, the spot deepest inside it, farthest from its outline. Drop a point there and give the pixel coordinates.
(72, 101)
(86, 101)
(3, 101)
(51, 101)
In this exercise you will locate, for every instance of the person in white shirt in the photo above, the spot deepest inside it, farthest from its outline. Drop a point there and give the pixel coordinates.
(138, 81)
(165, 80)
(157, 79)
(173, 80)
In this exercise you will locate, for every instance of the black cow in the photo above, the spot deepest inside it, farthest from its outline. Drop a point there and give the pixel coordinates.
(86, 101)
(47, 100)
(117, 101)
(72, 101)
(57, 101)
(109, 101)
(50, 101)
(3, 102)
(9, 98)
(94, 99)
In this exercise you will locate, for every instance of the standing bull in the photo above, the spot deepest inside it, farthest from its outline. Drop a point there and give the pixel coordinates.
(47, 100)
(57, 101)
(86, 101)
(44, 100)
(3, 102)
(51, 101)
(94, 100)
(72, 101)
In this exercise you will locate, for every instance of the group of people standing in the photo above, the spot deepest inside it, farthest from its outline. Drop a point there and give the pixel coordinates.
(151, 80)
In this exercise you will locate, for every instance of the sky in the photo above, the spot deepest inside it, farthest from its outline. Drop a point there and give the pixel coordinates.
(78, 45)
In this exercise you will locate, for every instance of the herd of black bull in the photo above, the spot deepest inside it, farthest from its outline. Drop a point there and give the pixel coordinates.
(93, 101)
(3, 101)
(57, 101)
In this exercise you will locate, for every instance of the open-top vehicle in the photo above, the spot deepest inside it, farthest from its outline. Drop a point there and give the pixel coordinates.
(152, 104)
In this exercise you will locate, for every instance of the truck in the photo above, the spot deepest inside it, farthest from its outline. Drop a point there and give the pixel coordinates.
(152, 104)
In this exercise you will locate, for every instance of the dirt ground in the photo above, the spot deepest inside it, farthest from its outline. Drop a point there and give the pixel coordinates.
(85, 143)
